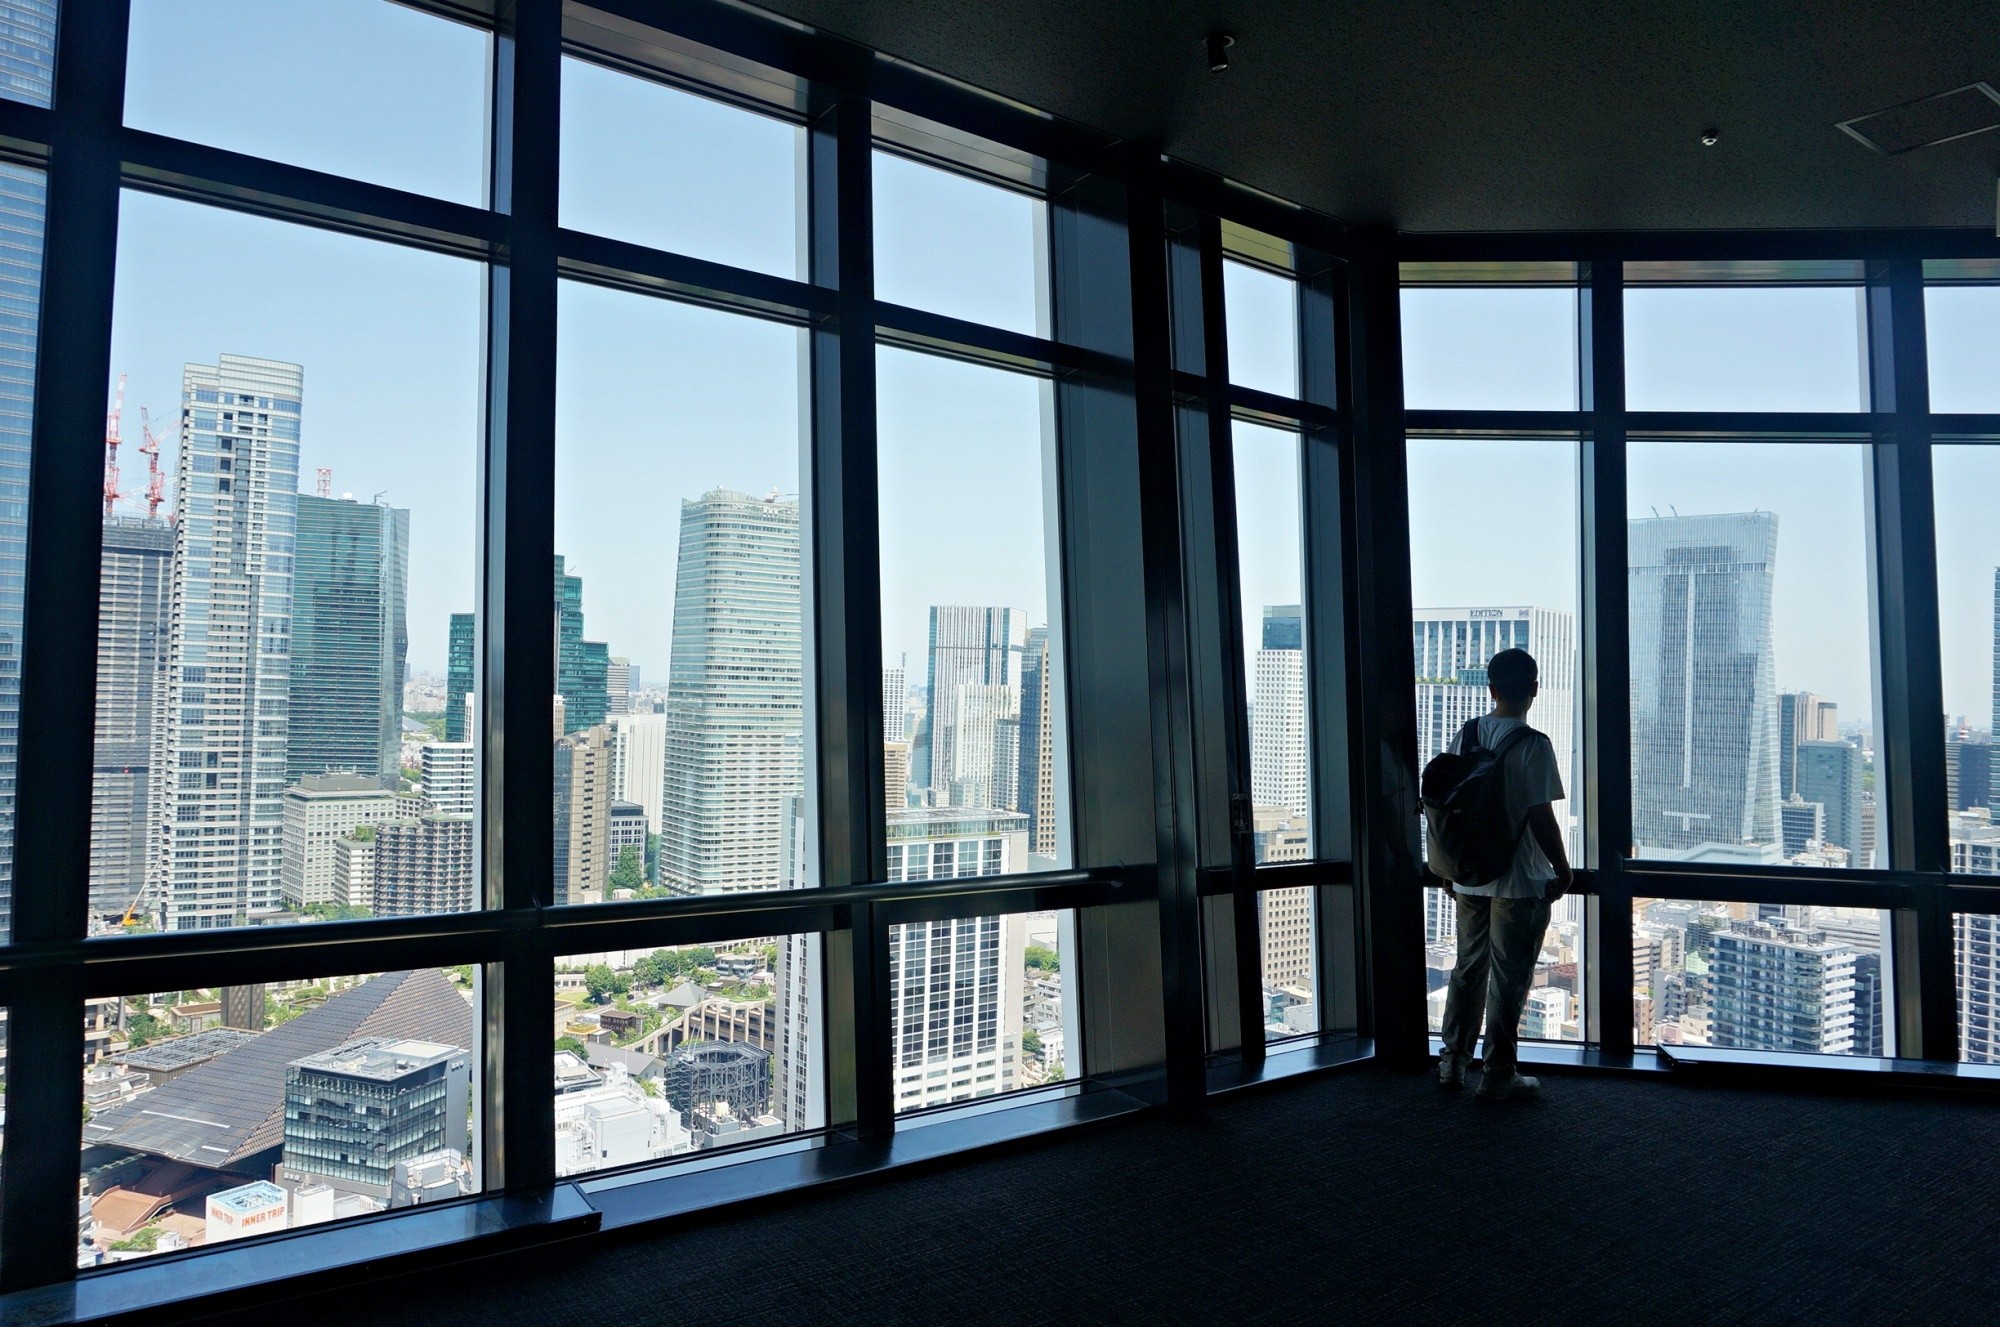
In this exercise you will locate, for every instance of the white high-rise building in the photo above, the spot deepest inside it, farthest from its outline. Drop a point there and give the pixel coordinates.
(895, 699)
(618, 685)
(735, 735)
(217, 807)
(639, 762)
(319, 810)
(451, 773)
(1279, 778)
(976, 648)
(985, 720)
(956, 987)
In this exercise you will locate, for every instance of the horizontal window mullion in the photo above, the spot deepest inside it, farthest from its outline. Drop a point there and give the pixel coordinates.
(634, 267)
(1973, 428)
(1762, 425)
(1516, 423)
(197, 173)
(105, 973)
(918, 329)
(1267, 407)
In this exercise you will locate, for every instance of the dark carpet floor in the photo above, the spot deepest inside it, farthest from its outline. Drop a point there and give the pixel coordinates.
(1361, 1197)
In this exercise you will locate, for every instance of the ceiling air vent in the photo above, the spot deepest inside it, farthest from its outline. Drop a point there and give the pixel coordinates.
(1959, 113)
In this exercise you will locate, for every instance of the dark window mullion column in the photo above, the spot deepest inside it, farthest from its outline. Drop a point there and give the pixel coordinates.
(1911, 815)
(516, 641)
(844, 609)
(1383, 743)
(50, 885)
(1606, 776)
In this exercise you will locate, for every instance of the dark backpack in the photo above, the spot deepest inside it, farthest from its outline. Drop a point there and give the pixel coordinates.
(1472, 842)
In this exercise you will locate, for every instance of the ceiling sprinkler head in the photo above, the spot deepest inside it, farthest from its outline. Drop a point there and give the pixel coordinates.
(1218, 51)
(1710, 137)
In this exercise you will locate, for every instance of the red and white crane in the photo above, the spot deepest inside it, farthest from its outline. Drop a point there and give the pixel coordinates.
(156, 479)
(111, 421)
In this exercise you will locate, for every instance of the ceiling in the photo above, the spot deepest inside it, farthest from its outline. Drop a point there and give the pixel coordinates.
(1452, 115)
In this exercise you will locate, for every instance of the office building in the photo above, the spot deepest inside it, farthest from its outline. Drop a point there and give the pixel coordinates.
(1035, 785)
(895, 700)
(955, 987)
(1453, 647)
(626, 829)
(217, 800)
(25, 72)
(582, 666)
(257, 1208)
(354, 1111)
(350, 638)
(895, 775)
(639, 763)
(1284, 921)
(459, 675)
(1829, 773)
(583, 815)
(354, 869)
(972, 650)
(618, 685)
(1802, 717)
(424, 864)
(1801, 826)
(1976, 950)
(735, 701)
(450, 773)
(1776, 988)
(1279, 776)
(1969, 770)
(321, 809)
(608, 1121)
(1704, 712)
(132, 605)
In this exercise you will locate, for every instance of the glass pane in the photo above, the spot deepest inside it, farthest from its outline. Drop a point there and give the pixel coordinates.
(969, 568)
(709, 796)
(1285, 930)
(1752, 680)
(1270, 557)
(231, 1111)
(978, 1006)
(1261, 314)
(654, 165)
(254, 762)
(1977, 939)
(1490, 348)
(28, 50)
(1744, 348)
(1963, 331)
(661, 1053)
(1968, 572)
(1760, 977)
(951, 244)
(377, 91)
(23, 197)
(1475, 596)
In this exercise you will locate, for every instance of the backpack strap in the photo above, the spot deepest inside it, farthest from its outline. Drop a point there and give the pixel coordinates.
(1510, 741)
(1468, 737)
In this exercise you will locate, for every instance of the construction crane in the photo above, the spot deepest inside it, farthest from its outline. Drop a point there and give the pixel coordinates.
(156, 479)
(111, 493)
(132, 918)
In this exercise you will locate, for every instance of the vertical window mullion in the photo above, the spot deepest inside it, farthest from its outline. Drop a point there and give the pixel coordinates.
(516, 643)
(50, 889)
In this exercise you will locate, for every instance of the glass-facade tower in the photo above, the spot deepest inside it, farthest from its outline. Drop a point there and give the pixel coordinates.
(24, 72)
(350, 637)
(132, 612)
(1704, 707)
(582, 666)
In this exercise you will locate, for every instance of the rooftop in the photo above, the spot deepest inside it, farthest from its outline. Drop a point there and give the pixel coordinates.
(181, 1052)
(380, 1058)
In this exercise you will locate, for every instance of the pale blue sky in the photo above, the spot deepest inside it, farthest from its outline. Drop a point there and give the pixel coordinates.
(659, 402)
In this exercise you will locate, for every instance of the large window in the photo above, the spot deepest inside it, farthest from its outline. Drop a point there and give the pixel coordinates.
(1746, 346)
(1968, 572)
(1752, 679)
(1488, 576)
(947, 243)
(284, 689)
(217, 1113)
(680, 759)
(367, 88)
(972, 646)
(1476, 338)
(1962, 325)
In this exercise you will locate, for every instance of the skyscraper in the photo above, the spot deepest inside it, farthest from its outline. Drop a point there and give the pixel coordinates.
(895, 699)
(458, 675)
(1829, 773)
(217, 801)
(132, 605)
(618, 685)
(350, 638)
(1278, 774)
(27, 65)
(423, 864)
(450, 776)
(1453, 647)
(28, 50)
(1773, 987)
(321, 809)
(735, 699)
(1035, 790)
(583, 815)
(1802, 717)
(583, 667)
(639, 762)
(971, 647)
(1704, 713)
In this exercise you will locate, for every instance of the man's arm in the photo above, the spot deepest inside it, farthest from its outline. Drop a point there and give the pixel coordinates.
(1548, 835)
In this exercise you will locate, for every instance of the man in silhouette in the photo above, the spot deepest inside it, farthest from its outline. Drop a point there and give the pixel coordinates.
(1501, 923)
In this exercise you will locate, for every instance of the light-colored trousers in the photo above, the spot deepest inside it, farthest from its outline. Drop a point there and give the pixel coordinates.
(1499, 940)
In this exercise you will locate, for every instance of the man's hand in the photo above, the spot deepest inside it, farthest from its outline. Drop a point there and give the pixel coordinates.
(1565, 881)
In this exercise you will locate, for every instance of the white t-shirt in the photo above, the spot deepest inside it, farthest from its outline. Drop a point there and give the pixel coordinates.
(1532, 778)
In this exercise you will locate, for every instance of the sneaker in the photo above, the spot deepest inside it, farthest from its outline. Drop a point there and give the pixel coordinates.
(1520, 1087)
(1451, 1070)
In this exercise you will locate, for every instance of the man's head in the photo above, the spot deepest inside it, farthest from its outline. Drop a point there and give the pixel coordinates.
(1513, 679)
